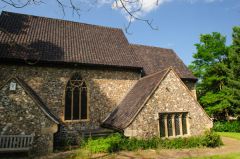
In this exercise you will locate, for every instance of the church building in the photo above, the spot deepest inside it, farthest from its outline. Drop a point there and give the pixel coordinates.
(62, 81)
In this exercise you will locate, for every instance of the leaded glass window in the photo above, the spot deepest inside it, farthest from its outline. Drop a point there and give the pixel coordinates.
(162, 126)
(169, 125)
(184, 123)
(177, 124)
(173, 124)
(84, 101)
(76, 99)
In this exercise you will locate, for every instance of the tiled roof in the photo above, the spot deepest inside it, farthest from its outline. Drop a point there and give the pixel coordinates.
(126, 111)
(56, 40)
(155, 59)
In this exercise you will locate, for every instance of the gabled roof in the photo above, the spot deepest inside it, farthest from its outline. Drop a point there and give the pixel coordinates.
(134, 101)
(60, 41)
(55, 41)
(36, 99)
(155, 59)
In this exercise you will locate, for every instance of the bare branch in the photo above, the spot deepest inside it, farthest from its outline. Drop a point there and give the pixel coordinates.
(60, 4)
(16, 4)
(132, 14)
(128, 26)
(74, 8)
(132, 8)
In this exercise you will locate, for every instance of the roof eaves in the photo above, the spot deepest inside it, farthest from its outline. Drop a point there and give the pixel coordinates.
(38, 100)
(123, 126)
(150, 94)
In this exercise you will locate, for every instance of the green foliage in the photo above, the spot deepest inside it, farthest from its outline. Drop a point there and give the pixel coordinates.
(211, 50)
(211, 140)
(222, 156)
(218, 68)
(180, 143)
(233, 126)
(233, 85)
(103, 144)
(209, 66)
(118, 142)
(233, 135)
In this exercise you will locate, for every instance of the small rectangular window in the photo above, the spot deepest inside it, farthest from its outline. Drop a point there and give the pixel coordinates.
(174, 123)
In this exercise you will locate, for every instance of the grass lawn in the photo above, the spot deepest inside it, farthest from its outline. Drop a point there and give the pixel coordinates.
(230, 134)
(228, 156)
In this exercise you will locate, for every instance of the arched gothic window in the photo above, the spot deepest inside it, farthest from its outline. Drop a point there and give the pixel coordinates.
(76, 99)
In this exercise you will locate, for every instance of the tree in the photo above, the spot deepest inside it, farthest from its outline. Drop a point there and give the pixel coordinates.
(210, 66)
(233, 80)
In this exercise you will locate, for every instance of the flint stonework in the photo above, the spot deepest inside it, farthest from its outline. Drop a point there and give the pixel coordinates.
(170, 96)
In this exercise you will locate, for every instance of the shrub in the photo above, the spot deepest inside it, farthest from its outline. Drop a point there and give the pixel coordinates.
(103, 144)
(212, 139)
(180, 143)
(233, 126)
(118, 142)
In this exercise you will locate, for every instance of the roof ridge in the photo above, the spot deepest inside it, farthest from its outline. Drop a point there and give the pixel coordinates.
(153, 74)
(62, 20)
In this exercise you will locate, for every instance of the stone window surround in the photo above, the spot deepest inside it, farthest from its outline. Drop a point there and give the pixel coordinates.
(173, 124)
(88, 97)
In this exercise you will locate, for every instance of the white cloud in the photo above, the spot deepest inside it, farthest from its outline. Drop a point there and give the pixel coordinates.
(140, 8)
(149, 5)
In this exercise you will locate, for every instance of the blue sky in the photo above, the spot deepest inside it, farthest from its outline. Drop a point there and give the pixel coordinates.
(179, 22)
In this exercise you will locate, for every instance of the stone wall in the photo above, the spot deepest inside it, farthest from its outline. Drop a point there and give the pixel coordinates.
(106, 88)
(171, 96)
(191, 86)
(20, 115)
